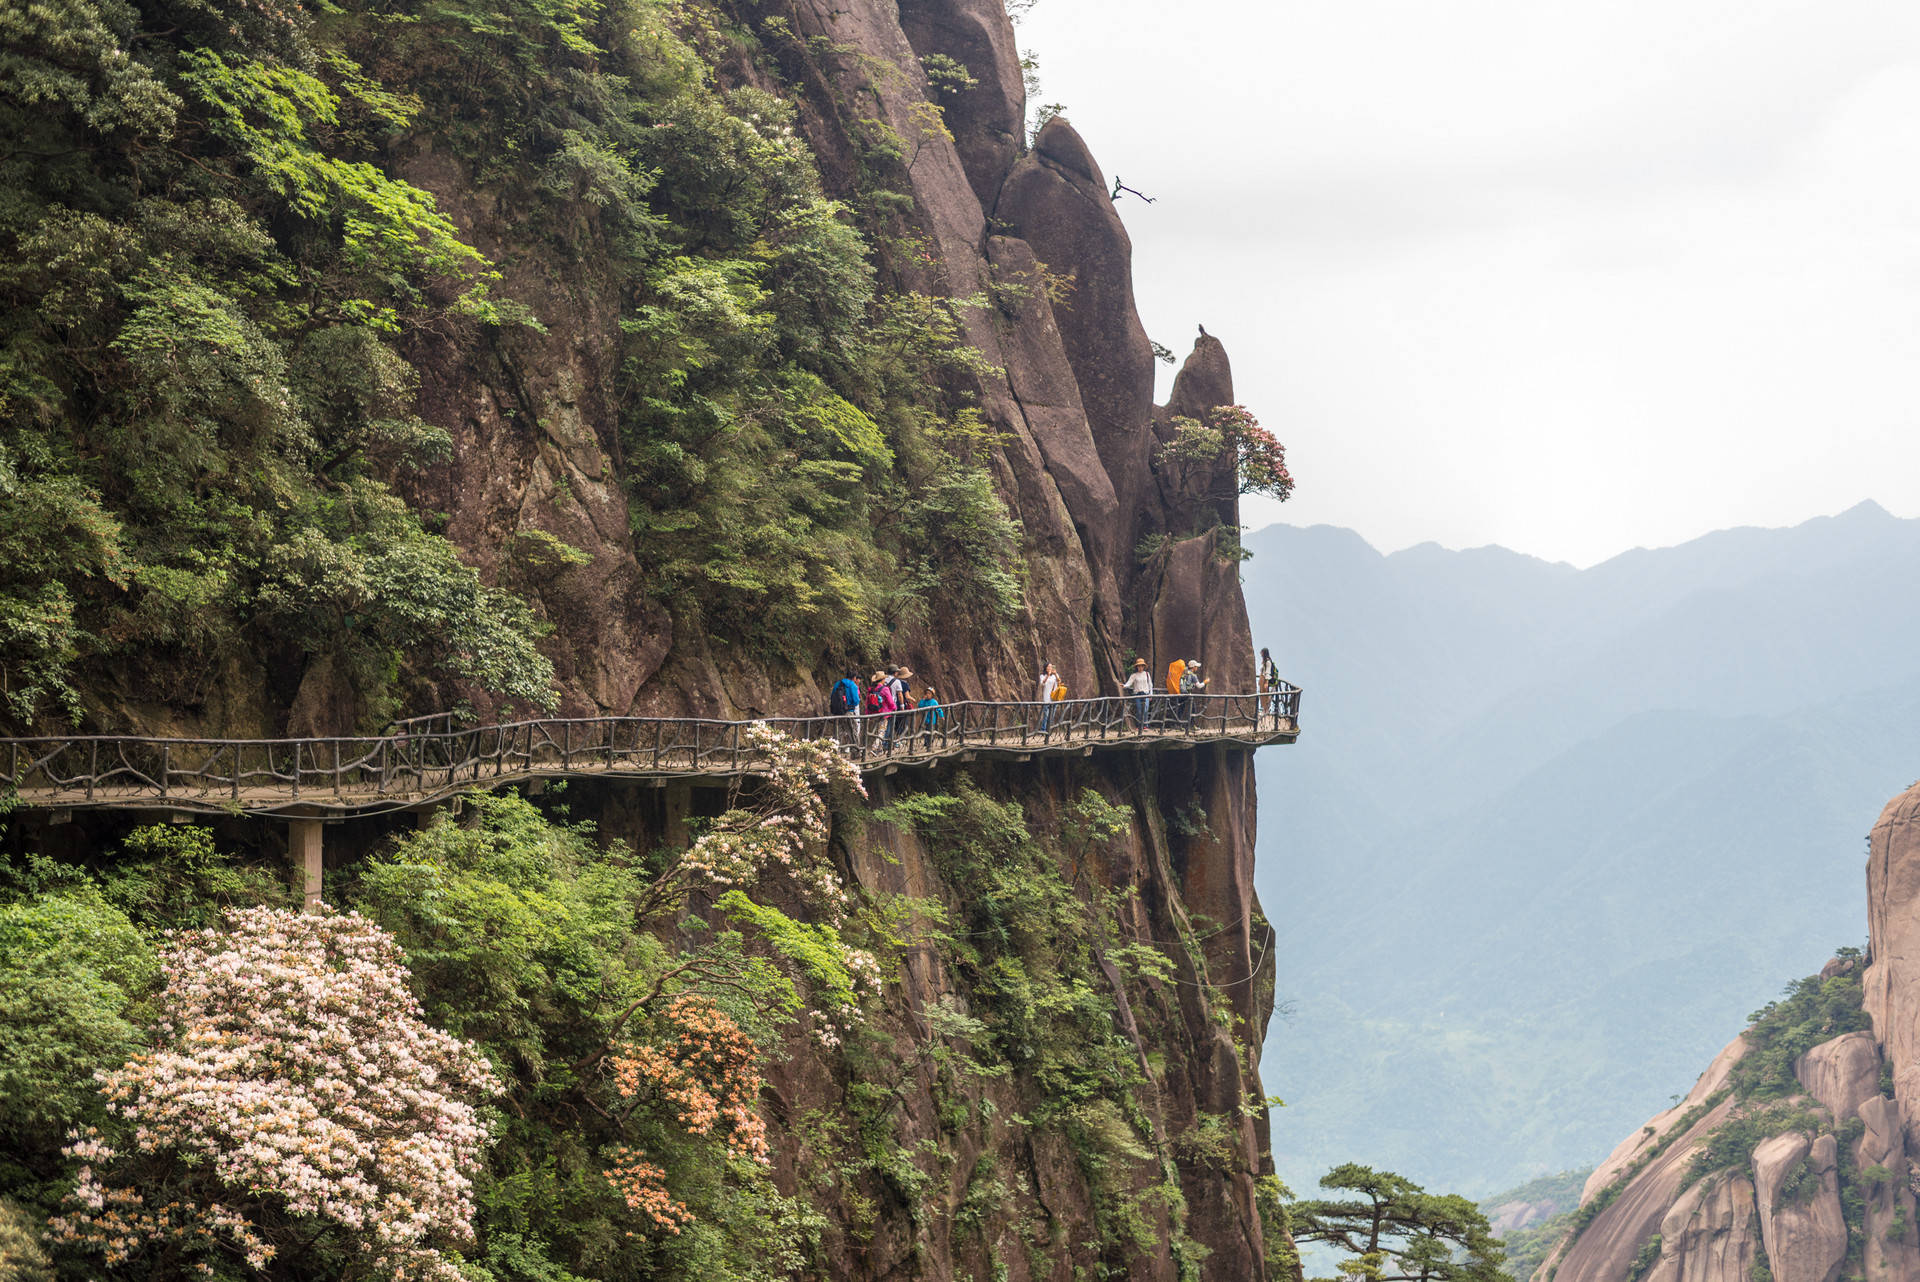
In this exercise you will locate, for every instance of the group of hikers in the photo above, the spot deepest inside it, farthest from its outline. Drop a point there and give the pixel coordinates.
(889, 701)
(884, 708)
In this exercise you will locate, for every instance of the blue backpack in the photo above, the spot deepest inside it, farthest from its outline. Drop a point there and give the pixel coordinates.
(845, 697)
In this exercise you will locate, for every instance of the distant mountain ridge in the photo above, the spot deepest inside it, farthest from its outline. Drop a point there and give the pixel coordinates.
(1555, 828)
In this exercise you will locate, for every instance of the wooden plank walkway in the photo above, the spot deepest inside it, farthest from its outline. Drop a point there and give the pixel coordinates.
(428, 760)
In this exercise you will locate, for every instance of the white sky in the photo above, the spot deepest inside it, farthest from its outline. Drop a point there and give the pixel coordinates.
(1569, 277)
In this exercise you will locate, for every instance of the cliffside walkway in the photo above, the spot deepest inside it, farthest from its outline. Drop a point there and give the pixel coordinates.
(420, 762)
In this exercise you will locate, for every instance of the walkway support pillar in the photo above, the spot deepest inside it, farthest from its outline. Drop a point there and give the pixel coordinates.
(303, 847)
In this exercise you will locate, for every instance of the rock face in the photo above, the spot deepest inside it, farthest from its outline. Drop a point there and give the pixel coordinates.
(1708, 1234)
(1068, 397)
(1802, 1227)
(1788, 1205)
(1893, 928)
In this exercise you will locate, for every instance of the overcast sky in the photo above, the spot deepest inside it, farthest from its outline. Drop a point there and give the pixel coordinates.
(1569, 277)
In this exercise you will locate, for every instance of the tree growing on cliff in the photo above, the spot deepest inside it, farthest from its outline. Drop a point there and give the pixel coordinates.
(1389, 1229)
(1229, 432)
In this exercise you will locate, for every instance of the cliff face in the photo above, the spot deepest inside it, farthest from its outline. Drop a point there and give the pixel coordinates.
(1069, 395)
(1811, 1180)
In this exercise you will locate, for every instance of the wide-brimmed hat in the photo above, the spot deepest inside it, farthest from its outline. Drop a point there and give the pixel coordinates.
(1139, 663)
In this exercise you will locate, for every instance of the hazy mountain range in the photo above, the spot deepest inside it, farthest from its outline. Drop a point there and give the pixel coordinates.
(1551, 834)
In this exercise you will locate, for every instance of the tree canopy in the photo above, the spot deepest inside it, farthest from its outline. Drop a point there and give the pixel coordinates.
(1389, 1229)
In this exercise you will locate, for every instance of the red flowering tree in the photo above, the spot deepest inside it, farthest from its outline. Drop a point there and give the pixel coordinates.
(296, 1106)
(1232, 432)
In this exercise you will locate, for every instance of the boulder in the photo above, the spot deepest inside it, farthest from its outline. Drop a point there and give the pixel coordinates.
(1892, 982)
(1710, 1234)
(1805, 1236)
(1842, 1074)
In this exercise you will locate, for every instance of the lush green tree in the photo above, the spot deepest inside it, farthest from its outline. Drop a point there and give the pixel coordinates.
(71, 968)
(629, 1028)
(1386, 1228)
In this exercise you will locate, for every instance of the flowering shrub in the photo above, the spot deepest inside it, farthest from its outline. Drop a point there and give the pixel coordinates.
(1260, 461)
(296, 1100)
(786, 827)
(704, 1071)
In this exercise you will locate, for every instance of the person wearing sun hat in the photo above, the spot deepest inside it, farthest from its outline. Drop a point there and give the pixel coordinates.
(1138, 687)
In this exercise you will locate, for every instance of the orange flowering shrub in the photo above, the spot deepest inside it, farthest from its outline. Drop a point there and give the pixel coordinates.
(644, 1186)
(708, 1071)
(705, 1071)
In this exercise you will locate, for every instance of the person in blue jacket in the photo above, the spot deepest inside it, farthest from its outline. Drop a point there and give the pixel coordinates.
(931, 714)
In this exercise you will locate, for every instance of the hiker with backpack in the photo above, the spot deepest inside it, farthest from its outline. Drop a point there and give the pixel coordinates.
(1050, 690)
(897, 676)
(881, 703)
(844, 701)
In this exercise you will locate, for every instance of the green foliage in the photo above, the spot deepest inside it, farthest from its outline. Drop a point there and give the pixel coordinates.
(968, 548)
(172, 877)
(1026, 945)
(209, 276)
(71, 967)
(22, 1259)
(523, 934)
(1731, 1144)
(1812, 1011)
(814, 948)
(1644, 1259)
(1391, 1230)
(1272, 1198)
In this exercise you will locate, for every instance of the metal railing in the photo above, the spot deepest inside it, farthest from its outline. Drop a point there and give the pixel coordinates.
(426, 758)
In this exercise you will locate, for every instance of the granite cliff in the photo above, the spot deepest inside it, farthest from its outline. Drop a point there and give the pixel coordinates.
(1792, 1156)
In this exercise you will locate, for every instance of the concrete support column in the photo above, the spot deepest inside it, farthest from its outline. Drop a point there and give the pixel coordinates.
(303, 848)
(679, 804)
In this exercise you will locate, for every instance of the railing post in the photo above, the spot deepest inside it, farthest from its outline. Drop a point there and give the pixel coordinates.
(166, 759)
(336, 767)
(93, 768)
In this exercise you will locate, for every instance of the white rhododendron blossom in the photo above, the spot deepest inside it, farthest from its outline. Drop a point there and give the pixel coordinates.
(786, 829)
(296, 1095)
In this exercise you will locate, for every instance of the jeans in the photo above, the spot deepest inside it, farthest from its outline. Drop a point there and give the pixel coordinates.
(1141, 705)
(1046, 716)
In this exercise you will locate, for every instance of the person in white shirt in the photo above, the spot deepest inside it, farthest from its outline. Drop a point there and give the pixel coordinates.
(1049, 682)
(1139, 689)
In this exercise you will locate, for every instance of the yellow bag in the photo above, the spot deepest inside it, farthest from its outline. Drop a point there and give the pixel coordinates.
(1059, 693)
